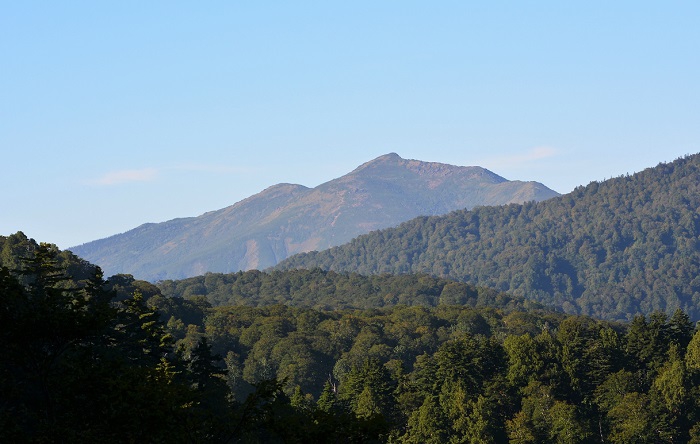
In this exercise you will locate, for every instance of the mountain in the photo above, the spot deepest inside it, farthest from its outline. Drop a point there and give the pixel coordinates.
(626, 246)
(285, 219)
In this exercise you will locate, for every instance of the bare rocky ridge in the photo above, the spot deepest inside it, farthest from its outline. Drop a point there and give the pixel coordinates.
(285, 219)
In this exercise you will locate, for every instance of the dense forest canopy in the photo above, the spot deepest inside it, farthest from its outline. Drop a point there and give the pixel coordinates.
(332, 291)
(89, 360)
(626, 246)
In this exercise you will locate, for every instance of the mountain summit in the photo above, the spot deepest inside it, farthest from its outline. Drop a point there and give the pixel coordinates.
(285, 219)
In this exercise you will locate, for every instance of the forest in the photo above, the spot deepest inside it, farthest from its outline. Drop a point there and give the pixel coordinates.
(612, 249)
(89, 359)
(327, 290)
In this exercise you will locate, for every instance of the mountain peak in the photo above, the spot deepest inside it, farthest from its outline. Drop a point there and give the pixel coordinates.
(389, 157)
(285, 219)
(391, 164)
(386, 159)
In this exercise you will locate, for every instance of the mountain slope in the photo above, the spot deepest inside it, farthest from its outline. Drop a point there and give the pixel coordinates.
(286, 219)
(613, 249)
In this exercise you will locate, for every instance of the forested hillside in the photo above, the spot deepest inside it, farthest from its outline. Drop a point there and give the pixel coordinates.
(89, 360)
(457, 374)
(614, 249)
(79, 366)
(333, 291)
(14, 249)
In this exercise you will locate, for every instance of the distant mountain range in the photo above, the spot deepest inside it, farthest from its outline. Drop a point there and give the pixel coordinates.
(626, 246)
(286, 219)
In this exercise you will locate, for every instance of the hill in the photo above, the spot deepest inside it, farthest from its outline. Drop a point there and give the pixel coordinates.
(17, 248)
(625, 246)
(286, 219)
(90, 361)
(324, 290)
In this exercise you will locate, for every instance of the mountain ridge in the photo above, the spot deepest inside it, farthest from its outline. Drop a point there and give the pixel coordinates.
(628, 245)
(284, 219)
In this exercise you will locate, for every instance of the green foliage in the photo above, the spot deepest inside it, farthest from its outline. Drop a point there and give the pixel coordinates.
(80, 365)
(413, 374)
(632, 420)
(85, 361)
(74, 365)
(329, 290)
(692, 358)
(425, 425)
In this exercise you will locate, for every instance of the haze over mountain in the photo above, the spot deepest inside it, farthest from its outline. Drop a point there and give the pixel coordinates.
(626, 246)
(286, 219)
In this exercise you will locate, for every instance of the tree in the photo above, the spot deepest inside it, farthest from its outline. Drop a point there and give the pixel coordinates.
(524, 361)
(565, 427)
(680, 329)
(692, 356)
(426, 425)
(369, 390)
(77, 374)
(631, 420)
(327, 401)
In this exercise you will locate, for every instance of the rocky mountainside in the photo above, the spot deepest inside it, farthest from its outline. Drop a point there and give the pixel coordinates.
(286, 219)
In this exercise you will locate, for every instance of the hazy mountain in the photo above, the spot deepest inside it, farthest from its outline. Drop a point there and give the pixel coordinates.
(285, 219)
(625, 246)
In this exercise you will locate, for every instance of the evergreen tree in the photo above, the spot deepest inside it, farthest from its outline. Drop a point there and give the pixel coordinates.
(426, 425)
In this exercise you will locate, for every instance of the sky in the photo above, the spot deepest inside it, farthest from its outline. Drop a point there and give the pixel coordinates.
(114, 114)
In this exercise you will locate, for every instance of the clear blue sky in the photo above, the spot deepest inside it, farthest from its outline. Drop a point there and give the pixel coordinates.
(113, 114)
